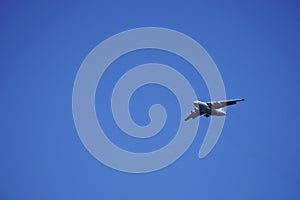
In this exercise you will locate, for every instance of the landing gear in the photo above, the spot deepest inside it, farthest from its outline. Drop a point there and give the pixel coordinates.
(206, 115)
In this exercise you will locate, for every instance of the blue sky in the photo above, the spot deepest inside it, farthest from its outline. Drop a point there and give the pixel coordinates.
(256, 48)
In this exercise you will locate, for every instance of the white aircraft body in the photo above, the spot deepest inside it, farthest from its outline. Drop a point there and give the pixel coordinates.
(215, 108)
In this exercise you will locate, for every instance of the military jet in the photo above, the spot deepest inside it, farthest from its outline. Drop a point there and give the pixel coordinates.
(214, 108)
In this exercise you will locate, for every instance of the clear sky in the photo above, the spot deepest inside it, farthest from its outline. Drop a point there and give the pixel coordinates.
(255, 45)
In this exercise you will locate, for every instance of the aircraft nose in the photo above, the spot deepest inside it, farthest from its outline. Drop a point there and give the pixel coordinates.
(196, 103)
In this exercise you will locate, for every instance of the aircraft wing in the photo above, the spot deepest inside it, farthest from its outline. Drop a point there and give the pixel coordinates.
(221, 104)
(194, 113)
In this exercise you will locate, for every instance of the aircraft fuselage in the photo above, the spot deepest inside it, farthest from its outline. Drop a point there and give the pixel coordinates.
(206, 110)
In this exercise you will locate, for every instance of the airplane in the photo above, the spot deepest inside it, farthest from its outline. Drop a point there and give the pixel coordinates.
(214, 108)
